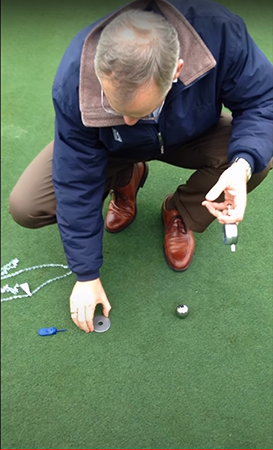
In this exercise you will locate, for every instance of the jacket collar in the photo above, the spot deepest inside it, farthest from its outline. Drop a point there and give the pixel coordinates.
(197, 58)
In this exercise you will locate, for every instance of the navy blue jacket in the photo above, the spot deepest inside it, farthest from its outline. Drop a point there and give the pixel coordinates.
(241, 80)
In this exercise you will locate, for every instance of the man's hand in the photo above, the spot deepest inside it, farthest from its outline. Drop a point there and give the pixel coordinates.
(83, 301)
(233, 183)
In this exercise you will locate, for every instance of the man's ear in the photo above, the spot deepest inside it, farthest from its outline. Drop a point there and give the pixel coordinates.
(178, 69)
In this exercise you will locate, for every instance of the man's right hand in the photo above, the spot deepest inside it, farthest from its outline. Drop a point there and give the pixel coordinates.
(83, 301)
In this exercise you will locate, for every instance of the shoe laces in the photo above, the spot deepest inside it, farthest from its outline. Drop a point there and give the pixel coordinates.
(177, 222)
(117, 195)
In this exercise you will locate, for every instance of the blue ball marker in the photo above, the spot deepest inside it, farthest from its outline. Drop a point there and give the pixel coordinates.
(49, 331)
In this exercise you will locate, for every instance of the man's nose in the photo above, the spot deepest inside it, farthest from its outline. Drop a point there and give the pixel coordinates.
(130, 120)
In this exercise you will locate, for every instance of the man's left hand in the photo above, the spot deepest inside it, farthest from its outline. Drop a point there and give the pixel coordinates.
(233, 183)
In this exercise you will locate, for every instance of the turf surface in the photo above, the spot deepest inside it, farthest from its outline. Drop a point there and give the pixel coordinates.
(153, 380)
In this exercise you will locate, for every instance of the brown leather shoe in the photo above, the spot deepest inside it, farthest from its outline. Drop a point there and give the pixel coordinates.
(122, 207)
(178, 242)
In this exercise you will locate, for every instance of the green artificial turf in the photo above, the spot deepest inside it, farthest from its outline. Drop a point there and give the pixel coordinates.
(153, 380)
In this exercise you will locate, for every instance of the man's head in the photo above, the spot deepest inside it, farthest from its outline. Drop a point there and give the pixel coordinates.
(136, 61)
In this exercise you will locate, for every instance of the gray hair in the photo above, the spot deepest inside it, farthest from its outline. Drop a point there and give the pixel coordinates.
(137, 48)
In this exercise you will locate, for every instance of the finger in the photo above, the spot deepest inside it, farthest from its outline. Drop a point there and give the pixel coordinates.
(224, 219)
(82, 319)
(236, 217)
(212, 209)
(74, 317)
(106, 308)
(216, 205)
(239, 208)
(73, 307)
(221, 212)
(216, 190)
(89, 311)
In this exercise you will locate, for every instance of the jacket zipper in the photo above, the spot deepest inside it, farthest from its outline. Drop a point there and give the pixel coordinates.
(161, 143)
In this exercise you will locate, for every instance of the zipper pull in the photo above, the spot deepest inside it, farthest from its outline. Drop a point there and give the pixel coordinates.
(161, 143)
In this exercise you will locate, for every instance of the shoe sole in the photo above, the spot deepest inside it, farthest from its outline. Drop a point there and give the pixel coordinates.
(141, 184)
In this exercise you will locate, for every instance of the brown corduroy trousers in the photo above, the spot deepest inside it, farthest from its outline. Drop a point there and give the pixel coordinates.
(33, 203)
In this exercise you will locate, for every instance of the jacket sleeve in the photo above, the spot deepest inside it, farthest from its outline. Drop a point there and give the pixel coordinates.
(79, 162)
(247, 91)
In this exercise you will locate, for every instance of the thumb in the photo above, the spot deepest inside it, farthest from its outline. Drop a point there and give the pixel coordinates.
(216, 190)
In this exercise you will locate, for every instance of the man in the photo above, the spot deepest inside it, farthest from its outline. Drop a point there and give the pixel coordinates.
(148, 82)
